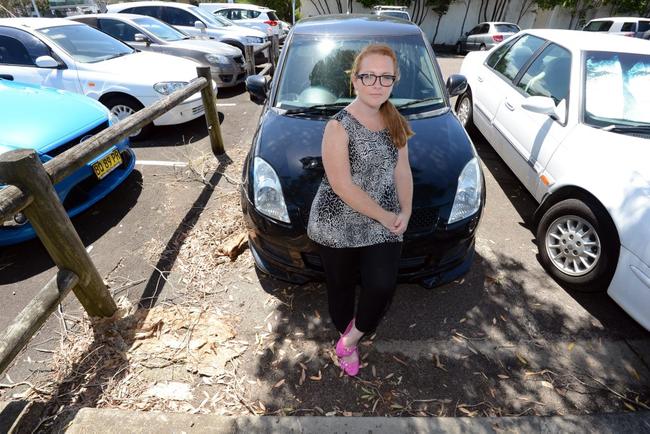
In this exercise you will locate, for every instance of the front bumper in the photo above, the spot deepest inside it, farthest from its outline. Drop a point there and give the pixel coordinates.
(431, 259)
(189, 110)
(78, 192)
(630, 287)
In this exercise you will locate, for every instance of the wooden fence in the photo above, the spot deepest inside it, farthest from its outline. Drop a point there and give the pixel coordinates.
(30, 190)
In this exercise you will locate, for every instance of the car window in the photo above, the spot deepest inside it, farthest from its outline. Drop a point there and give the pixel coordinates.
(236, 14)
(485, 28)
(644, 26)
(506, 28)
(515, 58)
(151, 11)
(473, 31)
(549, 75)
(86, 44)
(317, 71)
(118, 29)
(628, 27)
(160, 29)
(222, 13)
(598, 26)
(18, 47)
(616, 88)
(498, 53)
(271, 15)
(178, 17)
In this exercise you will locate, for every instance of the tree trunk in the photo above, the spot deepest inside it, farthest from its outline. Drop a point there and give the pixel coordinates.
(462, 27)
(437, 27)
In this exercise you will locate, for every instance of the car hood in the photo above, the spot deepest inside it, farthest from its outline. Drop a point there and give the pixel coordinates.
(39, 118)
(437, 153)
(206, 46)
(146, 67)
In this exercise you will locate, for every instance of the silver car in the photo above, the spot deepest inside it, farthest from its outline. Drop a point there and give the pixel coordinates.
(485, 36)
(149, 34)
(194, 21)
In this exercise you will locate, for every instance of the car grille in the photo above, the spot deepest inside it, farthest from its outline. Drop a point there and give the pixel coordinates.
(239, 60)
(198, 109)
(423, 220)
(70, 144)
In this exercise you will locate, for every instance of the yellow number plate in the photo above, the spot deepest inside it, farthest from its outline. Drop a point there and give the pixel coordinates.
(107, 164)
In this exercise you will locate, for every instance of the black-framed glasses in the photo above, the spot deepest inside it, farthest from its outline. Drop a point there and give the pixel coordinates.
(385, 80)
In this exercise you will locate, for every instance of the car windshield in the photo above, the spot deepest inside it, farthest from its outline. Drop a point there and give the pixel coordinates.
(212, 19)
(86, 44)
(506, 28)
(396, 14)
(617, 89)
(598, 26)
(316, 73)
(160, 29)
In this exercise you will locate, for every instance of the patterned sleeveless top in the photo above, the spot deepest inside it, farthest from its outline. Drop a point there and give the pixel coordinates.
(373, 158)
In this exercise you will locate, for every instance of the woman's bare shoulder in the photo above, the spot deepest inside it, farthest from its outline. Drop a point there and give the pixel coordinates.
(334, 130)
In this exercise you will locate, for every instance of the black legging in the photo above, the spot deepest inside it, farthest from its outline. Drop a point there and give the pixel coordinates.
(377, 265)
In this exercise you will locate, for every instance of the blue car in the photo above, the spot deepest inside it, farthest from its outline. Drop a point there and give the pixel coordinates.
(51, 121)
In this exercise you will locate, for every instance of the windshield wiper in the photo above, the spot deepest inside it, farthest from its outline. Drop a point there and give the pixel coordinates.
(418, 101)
(319, 108)
(618, 128)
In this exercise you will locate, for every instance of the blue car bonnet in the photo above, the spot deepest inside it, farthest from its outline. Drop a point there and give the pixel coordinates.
(61, 116)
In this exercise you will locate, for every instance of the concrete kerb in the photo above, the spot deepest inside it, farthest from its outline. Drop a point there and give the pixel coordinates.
(106, 421)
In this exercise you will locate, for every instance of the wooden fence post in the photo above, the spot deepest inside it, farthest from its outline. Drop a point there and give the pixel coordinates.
(275, 47)
(250, 59)
(53, 226)
(211, 114)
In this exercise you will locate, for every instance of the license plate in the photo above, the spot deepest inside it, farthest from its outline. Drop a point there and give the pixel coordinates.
(107, 164)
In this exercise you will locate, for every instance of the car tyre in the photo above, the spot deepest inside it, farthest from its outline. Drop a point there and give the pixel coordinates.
(578, 245)
(465, 111)
(124, 106)
(459, 48)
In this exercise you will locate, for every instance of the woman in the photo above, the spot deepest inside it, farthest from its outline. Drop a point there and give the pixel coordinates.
(363, 204)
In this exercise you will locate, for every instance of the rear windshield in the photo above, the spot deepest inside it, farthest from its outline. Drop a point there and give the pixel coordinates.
(272, 16)
(506, 28)
(396, 14)
(598, 26)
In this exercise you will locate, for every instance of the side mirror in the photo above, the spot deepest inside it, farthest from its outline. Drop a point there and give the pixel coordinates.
(456, 84)
(199, 25)
(139, 37)
(46, 62)
(542, 105)
(257, 86)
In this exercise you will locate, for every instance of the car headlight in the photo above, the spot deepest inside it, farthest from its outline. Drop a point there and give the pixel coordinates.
(468, 194)
(267, 191)
(167, 87)
(254, 40)
(216, 59)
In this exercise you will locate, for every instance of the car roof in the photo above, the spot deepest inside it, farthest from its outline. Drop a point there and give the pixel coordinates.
(577, 40)
(620, 19)
(355, 24)
(114, 15)
(36, 23)
(147, 3)
(239, 6)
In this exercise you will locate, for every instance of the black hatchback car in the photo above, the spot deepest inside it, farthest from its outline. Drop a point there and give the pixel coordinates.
(284, 168)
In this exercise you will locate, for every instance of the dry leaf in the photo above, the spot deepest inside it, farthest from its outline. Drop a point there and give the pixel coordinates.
(521, 359)
(633, 372)
(303, 375)
(502, 376)
(438, 364)
(630, 406)
(317, 377)
(547, 384)
(400, 361)
(279, 383)
(374, 371)
(571, 345)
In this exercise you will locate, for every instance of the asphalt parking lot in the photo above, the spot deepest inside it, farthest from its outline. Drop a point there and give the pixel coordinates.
(504, 340)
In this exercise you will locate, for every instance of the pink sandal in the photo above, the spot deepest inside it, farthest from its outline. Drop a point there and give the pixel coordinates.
(350, 368)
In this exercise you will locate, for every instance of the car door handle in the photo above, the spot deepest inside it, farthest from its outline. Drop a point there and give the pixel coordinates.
(7, 77)
(479, 78)
(509, 106)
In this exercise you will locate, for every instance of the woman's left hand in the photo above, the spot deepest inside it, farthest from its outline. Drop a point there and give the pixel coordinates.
(401, 223)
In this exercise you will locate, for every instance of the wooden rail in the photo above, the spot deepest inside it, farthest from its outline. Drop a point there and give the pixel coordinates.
(273, 49)
(30, 190)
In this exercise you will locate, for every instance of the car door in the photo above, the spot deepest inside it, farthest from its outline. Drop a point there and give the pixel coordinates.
(481, 37)
(18, 53)
(529, 139)
(470, 42)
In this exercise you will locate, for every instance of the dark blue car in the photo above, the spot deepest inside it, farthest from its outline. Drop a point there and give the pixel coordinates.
(284, 169)
(51, 121)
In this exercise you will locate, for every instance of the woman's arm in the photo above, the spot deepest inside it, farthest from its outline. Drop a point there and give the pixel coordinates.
(404, 184)
(336, 161)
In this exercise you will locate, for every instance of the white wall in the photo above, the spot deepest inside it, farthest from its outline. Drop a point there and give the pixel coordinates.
(450, 30)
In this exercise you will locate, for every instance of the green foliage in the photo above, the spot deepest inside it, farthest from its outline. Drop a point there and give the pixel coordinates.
(21, 8)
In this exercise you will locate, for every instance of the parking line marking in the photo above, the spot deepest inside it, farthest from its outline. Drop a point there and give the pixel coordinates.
(227, 104)
(160, 163)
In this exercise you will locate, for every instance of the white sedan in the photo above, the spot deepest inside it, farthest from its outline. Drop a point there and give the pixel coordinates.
(569, 113)
(63, 54)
